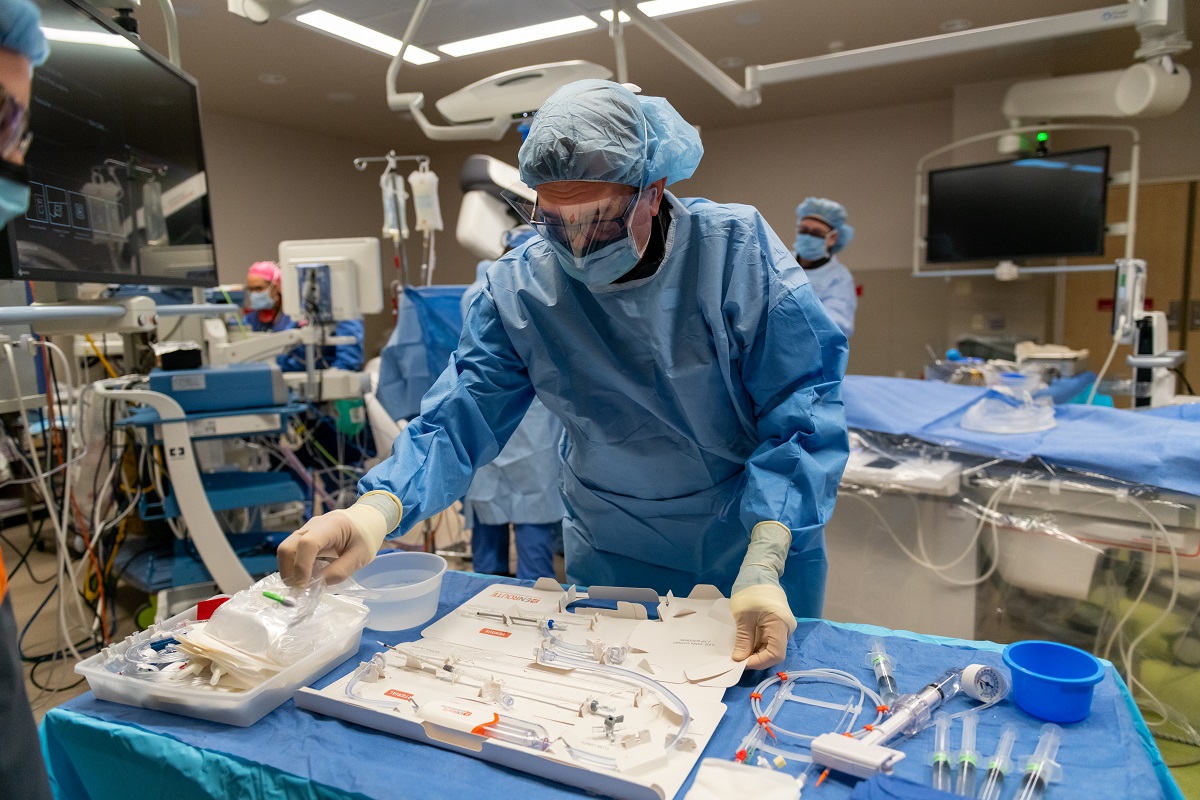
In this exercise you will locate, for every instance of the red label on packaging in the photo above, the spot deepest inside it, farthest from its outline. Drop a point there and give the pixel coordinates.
(398, 694)
(494, 632)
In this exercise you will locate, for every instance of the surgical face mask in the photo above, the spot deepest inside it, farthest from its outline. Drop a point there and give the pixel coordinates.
(809, 247)
(14, 192)
(261, 301)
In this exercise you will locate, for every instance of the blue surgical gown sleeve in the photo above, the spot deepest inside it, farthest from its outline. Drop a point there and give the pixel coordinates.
(466, 419)
(344, 356)
(348, 356)
(793, 371)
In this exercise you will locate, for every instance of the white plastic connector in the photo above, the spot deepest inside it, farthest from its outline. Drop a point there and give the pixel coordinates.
(854, 757)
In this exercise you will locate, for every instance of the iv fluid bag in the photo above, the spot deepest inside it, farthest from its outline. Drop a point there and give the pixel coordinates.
(425, 200)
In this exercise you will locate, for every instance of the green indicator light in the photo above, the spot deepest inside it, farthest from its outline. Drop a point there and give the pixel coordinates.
(1042, 136)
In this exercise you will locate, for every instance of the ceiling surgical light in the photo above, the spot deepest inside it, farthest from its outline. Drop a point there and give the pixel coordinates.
(531, 33)
(363, 36)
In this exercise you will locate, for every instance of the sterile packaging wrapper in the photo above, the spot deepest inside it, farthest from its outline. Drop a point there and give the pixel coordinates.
(249, 685)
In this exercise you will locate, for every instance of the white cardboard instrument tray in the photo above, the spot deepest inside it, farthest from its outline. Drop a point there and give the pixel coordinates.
(607, 732)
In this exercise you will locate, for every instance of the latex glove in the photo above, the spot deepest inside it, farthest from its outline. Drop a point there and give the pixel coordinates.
(350, 536)
(759, 605)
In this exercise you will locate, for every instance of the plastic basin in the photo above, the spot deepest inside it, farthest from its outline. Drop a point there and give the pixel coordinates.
(403, 589)
(1051, 681)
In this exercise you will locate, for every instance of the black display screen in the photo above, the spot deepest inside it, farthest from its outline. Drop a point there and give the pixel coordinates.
(118, 189)
(1043, 207)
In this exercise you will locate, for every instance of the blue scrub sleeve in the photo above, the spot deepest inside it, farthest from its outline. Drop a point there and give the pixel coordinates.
(793, 371)
(466, 419)
(349, 356)
(345, 356)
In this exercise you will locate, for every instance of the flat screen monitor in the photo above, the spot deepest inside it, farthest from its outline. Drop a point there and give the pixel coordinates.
(1043, 207)
(118, 188)
(345, 273)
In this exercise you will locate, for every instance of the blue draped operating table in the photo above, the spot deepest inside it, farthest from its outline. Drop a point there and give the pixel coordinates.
(1047, 509)
(97, 750)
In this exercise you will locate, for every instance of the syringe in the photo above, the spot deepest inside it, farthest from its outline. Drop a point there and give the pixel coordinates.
(1041, 768)
(999, 764)
(942, 779)
(968, 757)
(866, 756)
(884, 667)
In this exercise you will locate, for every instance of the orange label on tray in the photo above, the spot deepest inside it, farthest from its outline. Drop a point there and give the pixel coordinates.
(494, 632)
(398, 694)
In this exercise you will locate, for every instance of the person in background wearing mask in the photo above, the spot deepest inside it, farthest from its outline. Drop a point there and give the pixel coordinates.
(22, 47)
(821, 232)
(694, 370)
(264, 299)
(523, 485)
(264, 303)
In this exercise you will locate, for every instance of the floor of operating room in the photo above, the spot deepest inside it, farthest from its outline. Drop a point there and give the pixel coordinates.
(27, 596)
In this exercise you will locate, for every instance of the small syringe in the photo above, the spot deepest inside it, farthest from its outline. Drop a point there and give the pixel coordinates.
(884, 667)
(1041, 768)
(968, 757)
(942, 779)
(999, 764)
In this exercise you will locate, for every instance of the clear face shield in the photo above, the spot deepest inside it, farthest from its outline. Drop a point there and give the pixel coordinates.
(587, 227)
(596, 240)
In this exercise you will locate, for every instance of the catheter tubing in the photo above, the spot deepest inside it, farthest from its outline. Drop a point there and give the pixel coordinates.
(650, 683)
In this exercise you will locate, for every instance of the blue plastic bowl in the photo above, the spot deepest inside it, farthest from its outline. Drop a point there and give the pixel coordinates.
(1052, 681)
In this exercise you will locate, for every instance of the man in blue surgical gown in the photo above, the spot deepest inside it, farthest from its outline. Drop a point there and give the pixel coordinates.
(821, 233)
(694, 370)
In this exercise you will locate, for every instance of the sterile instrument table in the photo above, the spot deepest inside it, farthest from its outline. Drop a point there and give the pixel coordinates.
(98, 750)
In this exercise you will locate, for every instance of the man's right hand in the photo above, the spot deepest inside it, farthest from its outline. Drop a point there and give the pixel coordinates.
(351, 537)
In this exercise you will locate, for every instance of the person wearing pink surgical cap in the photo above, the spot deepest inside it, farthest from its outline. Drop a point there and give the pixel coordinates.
(264, 299)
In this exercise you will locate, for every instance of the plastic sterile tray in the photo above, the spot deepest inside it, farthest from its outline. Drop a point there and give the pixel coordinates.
(232, 708)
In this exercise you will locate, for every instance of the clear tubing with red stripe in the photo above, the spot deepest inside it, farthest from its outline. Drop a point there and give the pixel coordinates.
(481, 721)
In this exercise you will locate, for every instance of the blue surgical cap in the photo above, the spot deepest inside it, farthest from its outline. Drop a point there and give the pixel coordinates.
(20, 30)
(594, 130)
(832, 214)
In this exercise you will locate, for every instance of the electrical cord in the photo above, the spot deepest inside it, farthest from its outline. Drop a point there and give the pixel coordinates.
(1112, 351)
(986, 517)
(1183, 377)
(24, 560)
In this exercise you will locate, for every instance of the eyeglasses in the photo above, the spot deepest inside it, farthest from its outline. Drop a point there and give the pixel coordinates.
(813, 232)
(580, 227)
(14, 128)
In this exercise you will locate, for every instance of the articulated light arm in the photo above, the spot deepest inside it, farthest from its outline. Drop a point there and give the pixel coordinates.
(1011, 33)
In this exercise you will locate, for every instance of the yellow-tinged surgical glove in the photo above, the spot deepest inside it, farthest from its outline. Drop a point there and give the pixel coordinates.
(351, 537)
(760, 608)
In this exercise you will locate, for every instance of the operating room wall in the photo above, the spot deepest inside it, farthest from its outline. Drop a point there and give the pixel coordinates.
(865, 160)
(269, 184)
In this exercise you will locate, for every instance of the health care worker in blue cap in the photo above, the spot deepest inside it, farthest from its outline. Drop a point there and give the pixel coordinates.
(22, 47)
(687, 356)
(523, 486)
(821, 233)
